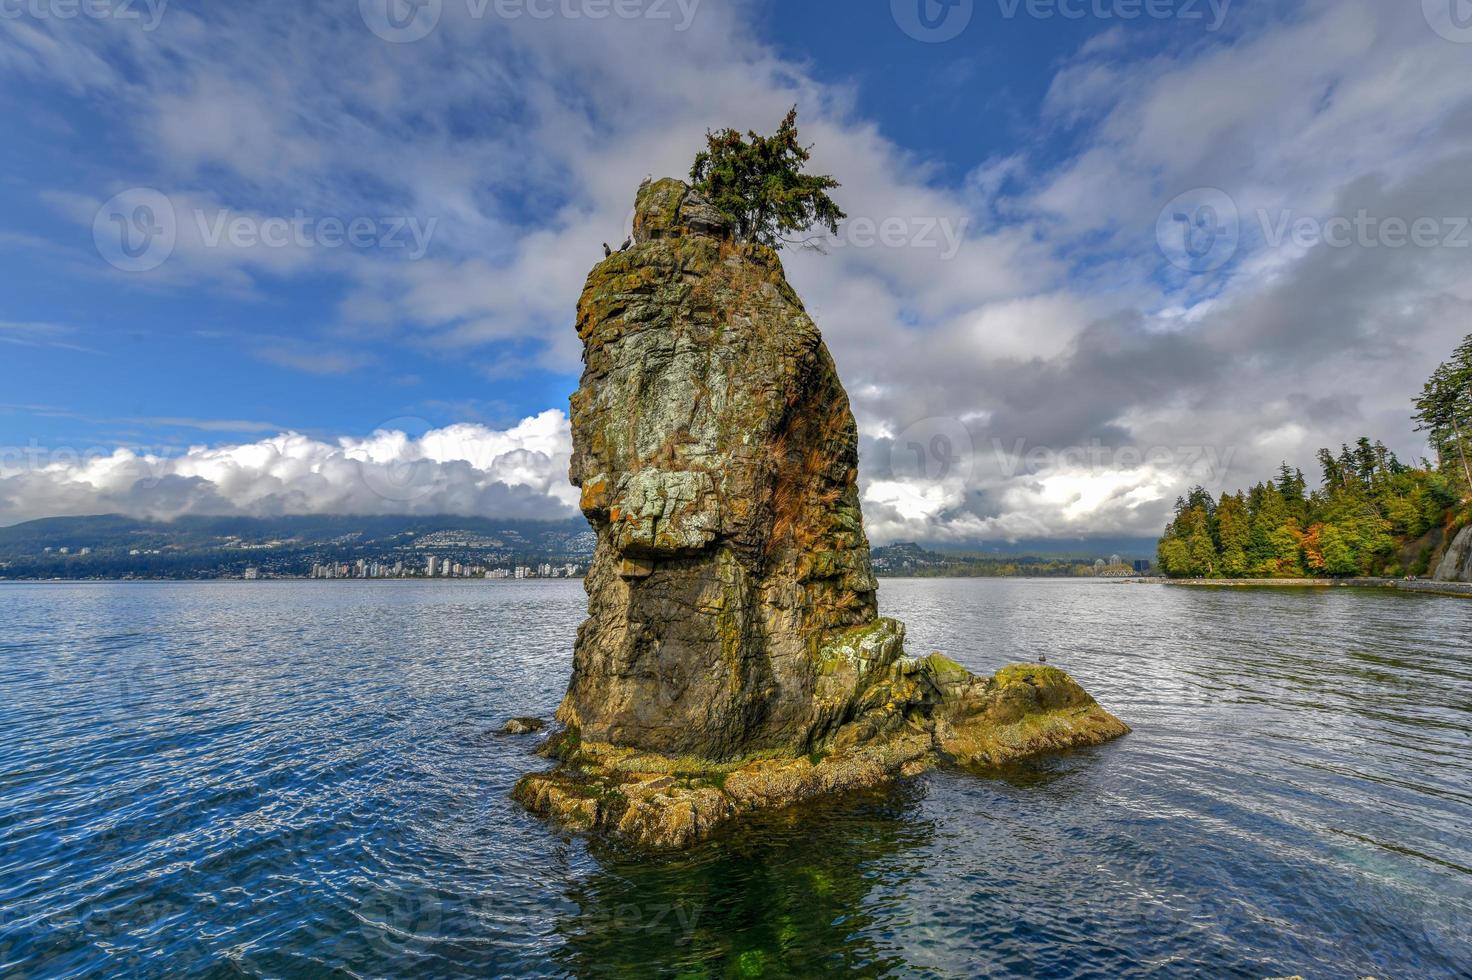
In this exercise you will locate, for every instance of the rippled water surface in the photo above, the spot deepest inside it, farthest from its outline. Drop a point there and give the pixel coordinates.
(298, 779)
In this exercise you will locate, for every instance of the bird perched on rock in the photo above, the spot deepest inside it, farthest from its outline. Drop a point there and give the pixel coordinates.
(627, 242)
(606, 250)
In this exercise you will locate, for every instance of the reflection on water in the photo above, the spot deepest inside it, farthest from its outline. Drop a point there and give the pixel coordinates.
(784, 893)
(287, 779)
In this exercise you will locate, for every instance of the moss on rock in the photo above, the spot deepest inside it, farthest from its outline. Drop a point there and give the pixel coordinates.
(905, 726)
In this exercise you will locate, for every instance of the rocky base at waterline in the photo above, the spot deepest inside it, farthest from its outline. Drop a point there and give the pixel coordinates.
(920, 713)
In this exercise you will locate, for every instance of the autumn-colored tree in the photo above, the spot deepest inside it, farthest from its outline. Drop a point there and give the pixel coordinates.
(1309, 544)
(1336, 553)
(1274, 547)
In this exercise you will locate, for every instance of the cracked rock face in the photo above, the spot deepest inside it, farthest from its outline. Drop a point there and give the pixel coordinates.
(717, 458)
(733, 658)
(1456, 565)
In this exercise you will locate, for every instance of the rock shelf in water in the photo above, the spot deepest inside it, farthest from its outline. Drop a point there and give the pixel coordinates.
(733, 658)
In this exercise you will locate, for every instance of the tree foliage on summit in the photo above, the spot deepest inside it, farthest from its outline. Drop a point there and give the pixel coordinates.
(758, 183)
(1364, 519)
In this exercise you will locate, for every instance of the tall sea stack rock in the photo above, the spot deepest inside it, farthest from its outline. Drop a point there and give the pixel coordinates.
(717, 458)
(733, 657)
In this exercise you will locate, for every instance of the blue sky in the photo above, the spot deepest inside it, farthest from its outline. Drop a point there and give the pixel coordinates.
(191, 352)
(1026, 307)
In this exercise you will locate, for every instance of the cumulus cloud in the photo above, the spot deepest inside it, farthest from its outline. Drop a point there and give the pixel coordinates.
(520, 472)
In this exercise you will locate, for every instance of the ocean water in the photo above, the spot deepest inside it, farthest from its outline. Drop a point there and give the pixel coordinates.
(300, 779)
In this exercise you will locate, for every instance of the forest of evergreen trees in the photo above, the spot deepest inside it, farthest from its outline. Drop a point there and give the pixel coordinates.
(1366, 518)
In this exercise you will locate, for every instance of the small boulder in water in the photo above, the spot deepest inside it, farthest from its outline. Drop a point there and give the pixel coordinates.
(522, 726)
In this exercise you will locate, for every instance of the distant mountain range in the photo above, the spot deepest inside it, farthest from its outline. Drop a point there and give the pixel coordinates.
(216, 547)
(1082, 548)
(907, 559)
(112, 546)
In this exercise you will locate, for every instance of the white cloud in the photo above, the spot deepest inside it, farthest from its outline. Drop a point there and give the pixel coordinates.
(458, 469)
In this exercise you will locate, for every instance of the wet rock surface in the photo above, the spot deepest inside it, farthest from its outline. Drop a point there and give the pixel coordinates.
(1456, 564)
(733, 658)
(660, 802)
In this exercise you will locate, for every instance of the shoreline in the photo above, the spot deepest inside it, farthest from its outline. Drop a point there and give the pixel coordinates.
(1461, 590)
(1424, 586)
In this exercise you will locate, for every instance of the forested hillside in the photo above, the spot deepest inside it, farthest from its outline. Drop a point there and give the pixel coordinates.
(1370, 515)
